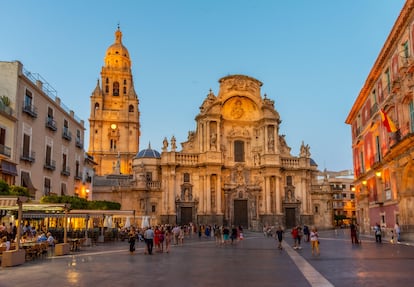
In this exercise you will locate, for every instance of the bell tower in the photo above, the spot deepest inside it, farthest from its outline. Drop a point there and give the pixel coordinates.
(114, 119)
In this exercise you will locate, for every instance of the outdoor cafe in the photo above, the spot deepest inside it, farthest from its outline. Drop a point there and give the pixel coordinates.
(71, 229)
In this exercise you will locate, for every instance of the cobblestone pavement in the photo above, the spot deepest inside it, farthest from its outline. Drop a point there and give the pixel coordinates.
(254, 261)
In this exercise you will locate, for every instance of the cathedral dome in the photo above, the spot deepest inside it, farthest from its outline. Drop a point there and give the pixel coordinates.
(117, 54)
(148, 153)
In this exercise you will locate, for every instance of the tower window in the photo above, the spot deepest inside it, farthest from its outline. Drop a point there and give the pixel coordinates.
(239, 151)
(186, 177)
(124, 90)
(131, 108)
(116, 89)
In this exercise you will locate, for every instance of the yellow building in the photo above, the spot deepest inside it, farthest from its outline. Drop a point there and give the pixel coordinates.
(382, 120)
(114, 119)
(235, 168)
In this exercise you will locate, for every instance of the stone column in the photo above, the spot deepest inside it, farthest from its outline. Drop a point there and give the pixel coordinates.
(208, 194)
(268, 199)
(218, 196)
(266, 140)
(278, 195)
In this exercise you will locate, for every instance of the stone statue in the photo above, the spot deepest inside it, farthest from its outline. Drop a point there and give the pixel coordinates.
(213, 140)
(173, 145)
(164, 144)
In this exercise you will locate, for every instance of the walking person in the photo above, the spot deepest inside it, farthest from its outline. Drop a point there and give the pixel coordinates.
(279, 235)
(306, 232)
(168, 236)
(378, 233)
(149, 239)
(397, 232)
(314, 238)
(294, 233)
(354, 238)
(299, 237)
(233, 234)
(131, 241)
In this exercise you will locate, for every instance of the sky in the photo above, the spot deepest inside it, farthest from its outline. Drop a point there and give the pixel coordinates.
(312, 57)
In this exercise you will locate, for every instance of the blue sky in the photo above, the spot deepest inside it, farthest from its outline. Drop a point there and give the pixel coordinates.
(312, 56)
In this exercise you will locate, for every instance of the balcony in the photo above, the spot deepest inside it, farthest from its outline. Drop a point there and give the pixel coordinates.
(78, 176)
(66, 134)
(396, 86)
(6, 110)
(30, 110)
(50, 165)
(5, 150)
(65, 171)
(79, 143)
(51, 124)
(28, 156)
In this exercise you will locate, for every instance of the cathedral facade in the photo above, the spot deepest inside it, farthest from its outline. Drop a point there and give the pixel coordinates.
(235, 168)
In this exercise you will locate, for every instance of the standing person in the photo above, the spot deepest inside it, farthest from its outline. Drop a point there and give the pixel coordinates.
(226, 233)
(161, 238)
(149, 239)
(378, 235)
(279, 235)
(241, 235)
(181, 236)
(131, 241)
(168, 236)
(294, 233)
(306, 232)
(157, 233)
(233, 234)
(217, 235)
(300, 235)
(354, 238)
(398, 232)
(314, 238)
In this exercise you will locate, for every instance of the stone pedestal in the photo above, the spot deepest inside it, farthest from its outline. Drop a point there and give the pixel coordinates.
(62, 249)
(13, 258)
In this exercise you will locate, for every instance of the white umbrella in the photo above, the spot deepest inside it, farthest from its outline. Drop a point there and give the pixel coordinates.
(127, 222)
(110, 221)
(105, 224)
(145, 221)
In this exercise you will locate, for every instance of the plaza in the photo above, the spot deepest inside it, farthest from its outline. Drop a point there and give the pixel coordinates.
(254, 261)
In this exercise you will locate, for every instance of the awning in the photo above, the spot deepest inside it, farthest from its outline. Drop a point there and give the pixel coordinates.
(7, 167)
(51, 215)
(27, 182)
(6, 202)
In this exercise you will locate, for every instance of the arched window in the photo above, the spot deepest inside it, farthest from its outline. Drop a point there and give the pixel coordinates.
(124, 90)
(116, 89)
(239, 151)
(131, 108)
(96, 106)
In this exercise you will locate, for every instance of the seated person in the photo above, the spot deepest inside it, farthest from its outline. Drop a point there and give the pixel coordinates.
(42, 238)
(5, 243)
(50, 239)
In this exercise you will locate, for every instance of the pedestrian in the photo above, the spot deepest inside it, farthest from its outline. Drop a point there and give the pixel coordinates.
(306, 232)
(314, 238)
(279, 235)
(131, 241)
(397, 232)
(149, 239)
(217, 235)
(294, 233)
(378, 235)
(168, 236)
(226, 233)
(233, 234)
(353, 234)
(299, 237)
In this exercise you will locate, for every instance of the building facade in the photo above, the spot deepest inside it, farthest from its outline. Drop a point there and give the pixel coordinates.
(382, 120)
(114, 119)
(43, 137)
